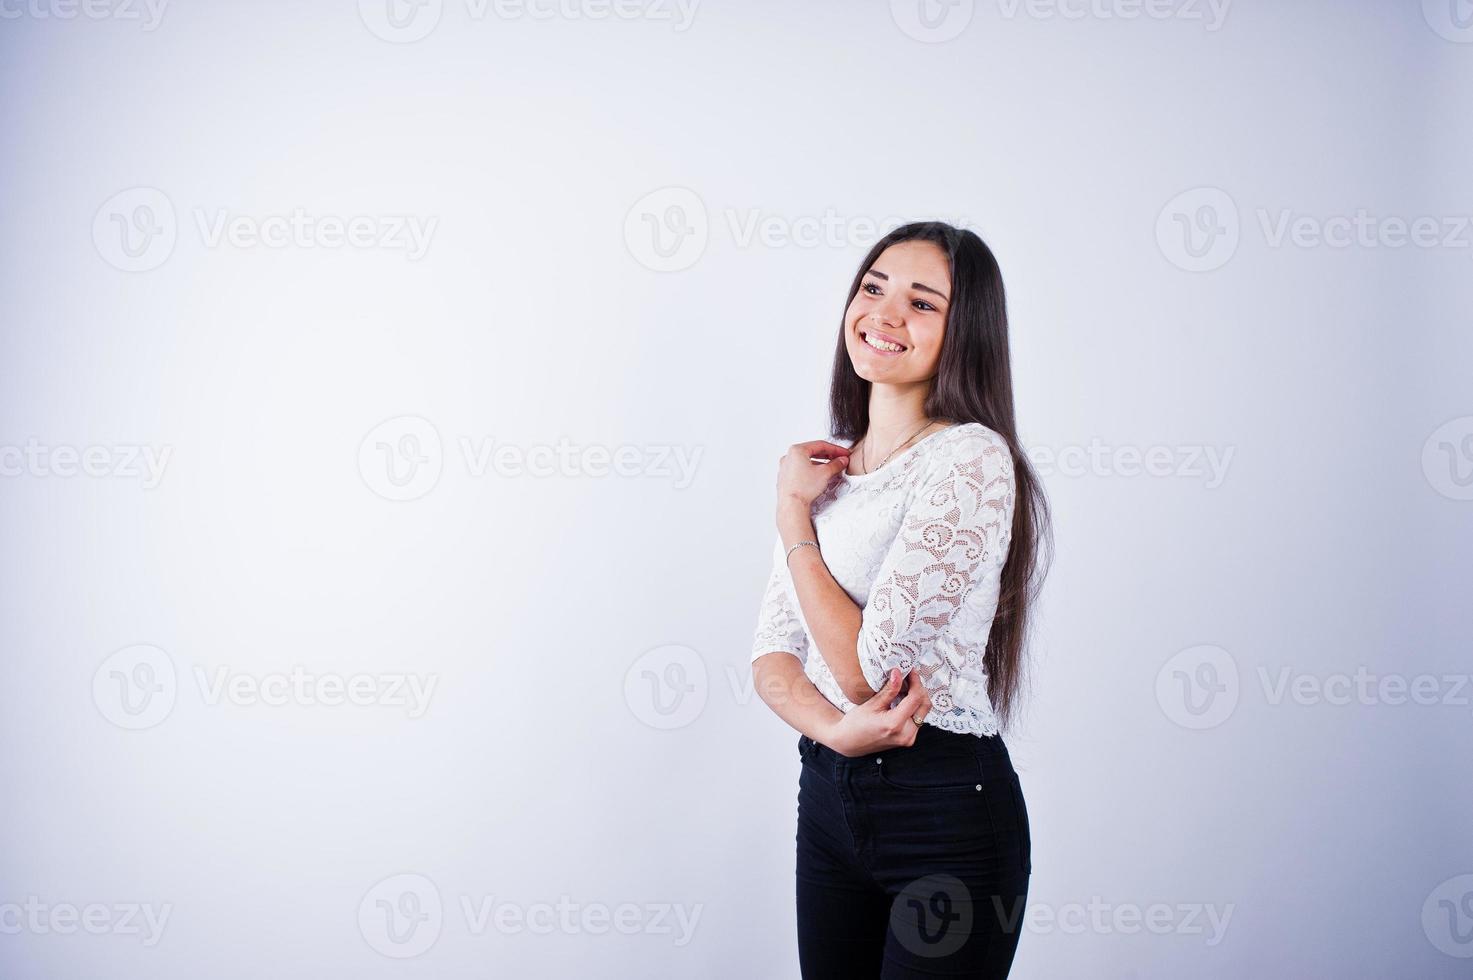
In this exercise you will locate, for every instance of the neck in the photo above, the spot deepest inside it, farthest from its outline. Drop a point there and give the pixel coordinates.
(896, 411)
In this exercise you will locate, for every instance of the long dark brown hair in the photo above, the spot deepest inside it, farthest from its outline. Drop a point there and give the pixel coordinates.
(973, 383)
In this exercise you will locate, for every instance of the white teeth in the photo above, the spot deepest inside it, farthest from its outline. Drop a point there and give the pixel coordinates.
(879, 344)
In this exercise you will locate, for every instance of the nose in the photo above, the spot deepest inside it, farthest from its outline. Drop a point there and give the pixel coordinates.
(884, 319)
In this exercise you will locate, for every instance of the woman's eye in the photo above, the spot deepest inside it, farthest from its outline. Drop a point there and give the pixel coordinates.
(868, 286)
(924, 305)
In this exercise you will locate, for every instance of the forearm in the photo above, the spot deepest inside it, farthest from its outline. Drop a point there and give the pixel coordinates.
(782, 685)
(833, 618)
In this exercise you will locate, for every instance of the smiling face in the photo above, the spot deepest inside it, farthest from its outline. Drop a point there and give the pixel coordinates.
(894, 325)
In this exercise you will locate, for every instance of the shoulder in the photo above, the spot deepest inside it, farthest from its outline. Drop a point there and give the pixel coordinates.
(972, 460)
(967, 443)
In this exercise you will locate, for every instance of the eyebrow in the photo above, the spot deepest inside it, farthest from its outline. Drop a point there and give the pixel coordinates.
(918, 285)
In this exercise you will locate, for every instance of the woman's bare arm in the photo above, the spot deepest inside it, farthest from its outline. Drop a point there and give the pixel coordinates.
(832, 617)
(780, 682)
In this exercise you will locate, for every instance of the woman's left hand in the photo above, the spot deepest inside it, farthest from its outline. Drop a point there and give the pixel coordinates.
(800, 479)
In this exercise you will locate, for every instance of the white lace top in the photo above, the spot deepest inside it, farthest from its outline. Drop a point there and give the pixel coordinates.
(919, 544)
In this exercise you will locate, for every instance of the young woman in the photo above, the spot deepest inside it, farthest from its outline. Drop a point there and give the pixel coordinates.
(892, 629)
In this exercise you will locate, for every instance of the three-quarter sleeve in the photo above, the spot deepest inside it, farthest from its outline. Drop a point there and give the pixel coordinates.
(953, 538)
(779, 627)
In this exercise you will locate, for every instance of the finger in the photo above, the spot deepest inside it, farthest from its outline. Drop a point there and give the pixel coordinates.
(915, 698)
(820, 447)
(888, 690)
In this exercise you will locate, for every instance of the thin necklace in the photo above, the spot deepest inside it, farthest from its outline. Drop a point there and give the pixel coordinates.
(864, 452)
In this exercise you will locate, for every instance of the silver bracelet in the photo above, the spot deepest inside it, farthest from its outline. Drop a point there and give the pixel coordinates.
(788, 557)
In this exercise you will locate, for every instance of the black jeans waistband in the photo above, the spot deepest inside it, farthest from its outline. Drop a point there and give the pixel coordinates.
(929, 738)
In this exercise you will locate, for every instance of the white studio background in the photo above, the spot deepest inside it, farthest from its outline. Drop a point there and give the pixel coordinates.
(303, 678)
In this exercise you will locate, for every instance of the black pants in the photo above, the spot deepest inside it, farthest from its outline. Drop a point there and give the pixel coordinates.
(912, 862)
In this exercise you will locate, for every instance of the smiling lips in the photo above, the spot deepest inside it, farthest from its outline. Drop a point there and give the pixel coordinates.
(879, 342)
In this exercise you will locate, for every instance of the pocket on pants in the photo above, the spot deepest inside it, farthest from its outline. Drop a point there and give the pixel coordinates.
(938, 774)
(1025, 840)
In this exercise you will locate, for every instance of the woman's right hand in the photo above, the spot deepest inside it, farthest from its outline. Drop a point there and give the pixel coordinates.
(874, 726)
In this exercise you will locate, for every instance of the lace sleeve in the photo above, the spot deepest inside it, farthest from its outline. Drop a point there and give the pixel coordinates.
(778, 625)
(953, 538)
